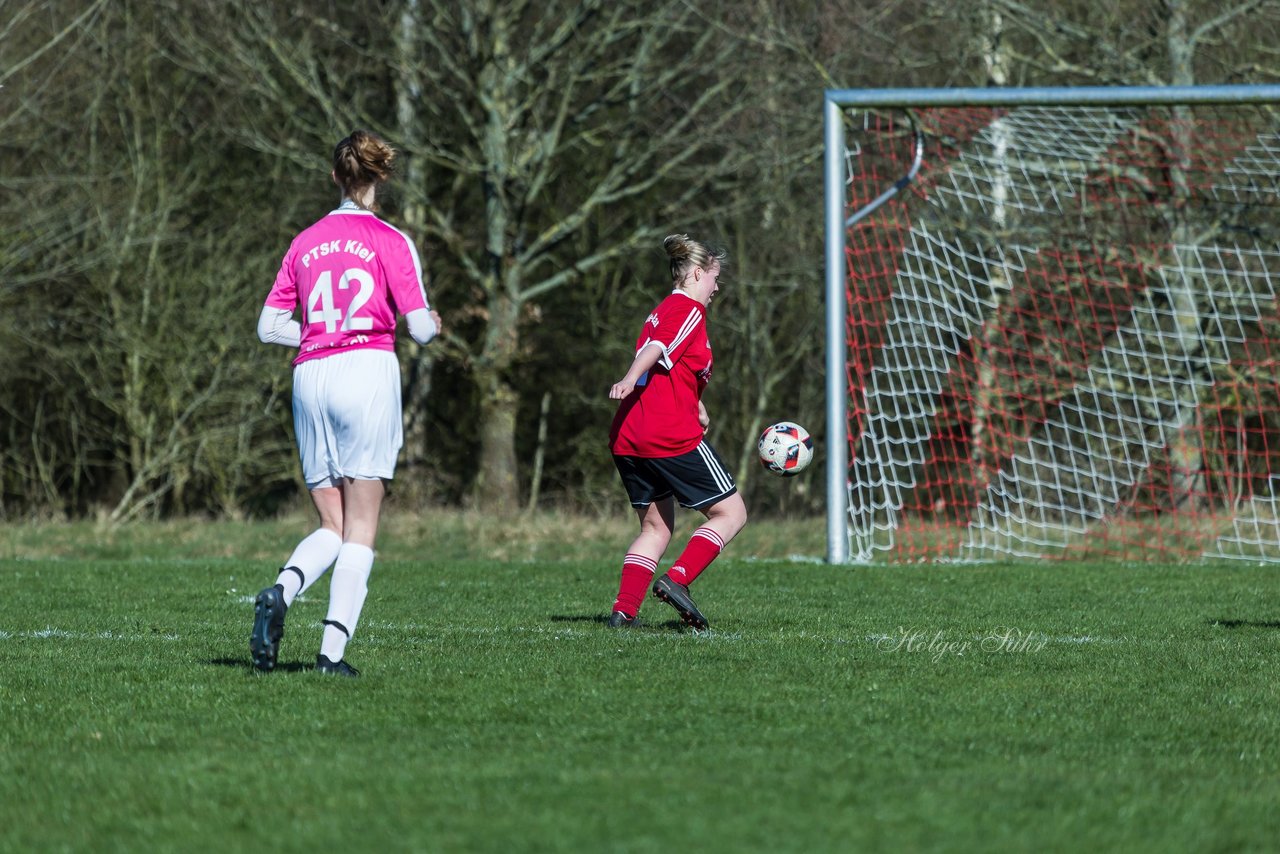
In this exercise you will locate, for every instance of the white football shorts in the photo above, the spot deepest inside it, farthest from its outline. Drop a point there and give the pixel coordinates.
(346, 415)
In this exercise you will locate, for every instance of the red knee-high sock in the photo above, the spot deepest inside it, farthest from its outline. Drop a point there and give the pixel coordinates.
(704, 546)
(637, 572)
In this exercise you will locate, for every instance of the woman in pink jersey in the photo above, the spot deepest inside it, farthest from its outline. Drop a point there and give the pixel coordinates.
(348, 276)
(659, 445)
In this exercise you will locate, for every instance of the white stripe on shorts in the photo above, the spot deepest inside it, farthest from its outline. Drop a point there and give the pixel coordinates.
(721, 477)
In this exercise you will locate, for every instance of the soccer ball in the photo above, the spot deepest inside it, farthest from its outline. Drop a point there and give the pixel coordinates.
(785, 448)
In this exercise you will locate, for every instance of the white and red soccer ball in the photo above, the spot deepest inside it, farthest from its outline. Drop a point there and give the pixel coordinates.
(785, 448)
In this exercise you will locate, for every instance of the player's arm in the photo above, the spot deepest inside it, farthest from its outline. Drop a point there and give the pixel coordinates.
(704, 420)
(644, 361)
(424, 324)
(277, 326)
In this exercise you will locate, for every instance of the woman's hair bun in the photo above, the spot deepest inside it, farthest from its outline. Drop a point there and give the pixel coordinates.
(685, 253)
(678, 246)
(363, 158)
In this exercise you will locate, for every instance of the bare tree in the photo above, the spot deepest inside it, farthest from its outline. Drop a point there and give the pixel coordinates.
(567, 112)
(527, 124)
(123, 298)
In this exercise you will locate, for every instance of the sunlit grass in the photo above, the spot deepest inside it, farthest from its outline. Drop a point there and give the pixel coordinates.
(1001, 707)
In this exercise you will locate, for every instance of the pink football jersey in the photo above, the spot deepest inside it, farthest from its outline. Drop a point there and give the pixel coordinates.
(349, 274)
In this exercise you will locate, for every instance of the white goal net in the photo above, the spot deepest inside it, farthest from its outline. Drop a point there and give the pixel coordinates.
(1062, 335)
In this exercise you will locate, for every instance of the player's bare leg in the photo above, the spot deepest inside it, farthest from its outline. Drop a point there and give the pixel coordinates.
(328, 502)
(362, 505)
(726, 517)
(317, 552)
(657, 521)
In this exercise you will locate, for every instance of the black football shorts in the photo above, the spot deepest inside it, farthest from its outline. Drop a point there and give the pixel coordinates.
(697, 479)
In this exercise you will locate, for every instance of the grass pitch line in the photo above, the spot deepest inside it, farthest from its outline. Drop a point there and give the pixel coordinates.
(51, 633)
(249, 600)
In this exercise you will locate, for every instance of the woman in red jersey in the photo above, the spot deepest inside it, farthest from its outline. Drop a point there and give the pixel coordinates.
(659, 445)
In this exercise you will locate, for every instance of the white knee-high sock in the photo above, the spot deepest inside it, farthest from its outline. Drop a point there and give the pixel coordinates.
(347, 590)
(310, 559)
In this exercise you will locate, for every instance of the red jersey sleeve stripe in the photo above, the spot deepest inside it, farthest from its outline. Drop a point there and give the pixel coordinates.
(686, 329)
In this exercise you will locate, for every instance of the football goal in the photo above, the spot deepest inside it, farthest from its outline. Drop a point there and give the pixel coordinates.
(1053, 324)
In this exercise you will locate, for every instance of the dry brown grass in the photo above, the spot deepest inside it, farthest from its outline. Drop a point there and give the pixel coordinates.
(437, 534)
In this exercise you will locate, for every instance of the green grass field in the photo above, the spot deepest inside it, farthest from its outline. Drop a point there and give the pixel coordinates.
(985, 708)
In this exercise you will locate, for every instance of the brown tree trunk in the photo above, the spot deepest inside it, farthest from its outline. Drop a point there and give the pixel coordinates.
(495, 485)
(416, 363)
